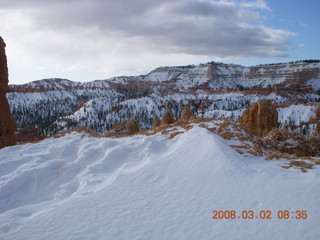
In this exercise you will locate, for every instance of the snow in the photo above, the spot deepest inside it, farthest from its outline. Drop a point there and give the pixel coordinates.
(80, 187)
(315, 83)
(295, 114)
(193, 77)
(163, 74)
(236, 114)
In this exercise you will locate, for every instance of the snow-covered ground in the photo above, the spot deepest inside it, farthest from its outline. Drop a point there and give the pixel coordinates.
(150, 187)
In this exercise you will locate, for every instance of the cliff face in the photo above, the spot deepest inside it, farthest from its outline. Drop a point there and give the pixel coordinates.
(7, 122)
(260, 118)
(218, 76)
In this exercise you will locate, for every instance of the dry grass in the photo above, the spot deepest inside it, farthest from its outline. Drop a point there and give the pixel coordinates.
(239, 151)
(162, 127)
(203, 125)
(257, 149)
(303, 164)
(187, 127)
(201, 119)
(253, 153)
(272, 155)
(166, 131)
(213, 129)
(180, 122)
(240, 146)
(225, 123)
(78, 130)
(227, 135)
(305, 157)
(317, 162)
(172, 135)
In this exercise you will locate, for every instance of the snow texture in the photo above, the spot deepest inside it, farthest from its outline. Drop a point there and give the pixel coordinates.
(80, 187)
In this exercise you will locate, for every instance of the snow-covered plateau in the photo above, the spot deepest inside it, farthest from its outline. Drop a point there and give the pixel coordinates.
(151, 187)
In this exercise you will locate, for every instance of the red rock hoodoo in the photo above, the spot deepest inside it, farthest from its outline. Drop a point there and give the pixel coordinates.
(7, 122)
(132, 125)
(167, 117)
(260, 118)
(186, 113)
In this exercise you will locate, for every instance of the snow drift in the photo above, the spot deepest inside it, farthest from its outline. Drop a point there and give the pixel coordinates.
(80, 187)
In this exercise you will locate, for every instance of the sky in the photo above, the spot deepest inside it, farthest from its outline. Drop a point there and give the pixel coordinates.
(85, 40)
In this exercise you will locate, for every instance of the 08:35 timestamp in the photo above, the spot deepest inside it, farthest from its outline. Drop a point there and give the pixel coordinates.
(262, 214)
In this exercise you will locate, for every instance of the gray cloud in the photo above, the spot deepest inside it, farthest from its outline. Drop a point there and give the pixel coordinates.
(201, 27)
(80, 32)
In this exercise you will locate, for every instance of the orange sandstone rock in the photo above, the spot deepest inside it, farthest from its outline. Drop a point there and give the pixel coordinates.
(260, 118)
(7, 122)
(186, 113)
(167, 117)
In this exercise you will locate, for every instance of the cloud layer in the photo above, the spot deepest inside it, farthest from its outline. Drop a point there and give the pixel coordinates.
(126, 36)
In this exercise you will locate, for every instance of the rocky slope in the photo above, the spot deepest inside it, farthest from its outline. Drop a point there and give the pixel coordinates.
(211, 90)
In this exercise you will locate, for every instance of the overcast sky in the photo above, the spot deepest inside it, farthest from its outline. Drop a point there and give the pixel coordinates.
(84, 40)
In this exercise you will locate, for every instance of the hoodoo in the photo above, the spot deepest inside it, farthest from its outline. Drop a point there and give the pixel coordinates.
(7, 122)
(260, 118)
(186, 113)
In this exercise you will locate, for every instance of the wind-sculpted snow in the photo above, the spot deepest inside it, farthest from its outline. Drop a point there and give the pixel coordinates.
(53, 170)
(80, 187)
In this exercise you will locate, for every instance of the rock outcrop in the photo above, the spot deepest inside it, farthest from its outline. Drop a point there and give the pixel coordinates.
(156, 121)
(260, 118)
(7, 122)
(132, 126)
(186, 113)
(167, 117)
(293, 143)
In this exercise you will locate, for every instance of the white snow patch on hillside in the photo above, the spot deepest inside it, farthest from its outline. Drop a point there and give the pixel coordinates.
(295, 114)
(163, 74)
(315, 83)
(236, 114)
(80, 187)
(193, 77)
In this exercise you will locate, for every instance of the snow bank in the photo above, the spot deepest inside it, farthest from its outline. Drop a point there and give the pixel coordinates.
(79, 187)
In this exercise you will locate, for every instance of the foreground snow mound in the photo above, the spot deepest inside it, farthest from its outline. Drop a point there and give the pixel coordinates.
(57, 168)
(80, 187)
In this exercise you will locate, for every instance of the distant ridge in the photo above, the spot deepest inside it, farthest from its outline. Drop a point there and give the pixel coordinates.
(211, 89)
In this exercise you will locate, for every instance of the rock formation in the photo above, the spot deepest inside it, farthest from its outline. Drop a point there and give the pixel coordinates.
(316, 132)
(132, 125)
(156, 121)
(167, 117)
(7, 122)
(293, 143)
(260, 118)
(186, 113)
